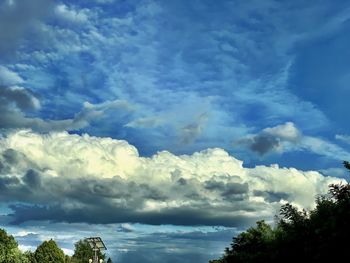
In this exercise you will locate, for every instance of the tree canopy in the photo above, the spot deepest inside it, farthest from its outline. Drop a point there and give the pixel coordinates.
(49, 252)
(319, 235)
(9, 252)
(83, 252)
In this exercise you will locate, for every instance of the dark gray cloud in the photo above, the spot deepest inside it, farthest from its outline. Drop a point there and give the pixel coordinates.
(113, 200)
(272, 196)
(264, 143)
(98, 214)
(32, 179)
(17, 98)
(227, 189)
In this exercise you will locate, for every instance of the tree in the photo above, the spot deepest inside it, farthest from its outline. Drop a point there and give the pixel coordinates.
(251, 245)
(319, 235)
(83, 252)
(68, 259)
(9, 252)
(49, 252)
(30, 256)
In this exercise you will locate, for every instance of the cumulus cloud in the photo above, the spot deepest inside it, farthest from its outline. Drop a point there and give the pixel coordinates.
(73, 178)
(70, 15)
(287, 137)
(272, 139)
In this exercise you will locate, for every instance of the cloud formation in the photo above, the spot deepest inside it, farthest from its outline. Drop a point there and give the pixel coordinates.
(16, 19)
(272, 139)
(8, 77)
(342, 137)
(73, 178)
(287, 138)
(16, 101)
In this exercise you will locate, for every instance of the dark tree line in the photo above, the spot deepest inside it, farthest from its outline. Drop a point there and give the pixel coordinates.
(47, 252)
(320, 235)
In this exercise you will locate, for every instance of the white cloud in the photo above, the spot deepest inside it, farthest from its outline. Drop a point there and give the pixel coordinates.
(325, 148)
(287, 137)
(205, 187)
(343, 138)
(8, 77)
(70, 14)
(145, 122)
(25, 248)
(286, 131)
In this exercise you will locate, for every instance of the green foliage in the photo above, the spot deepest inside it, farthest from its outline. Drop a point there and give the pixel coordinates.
(30, 256)
(83, 252)
(49, 252)
(9, 252)
(318, 236)
(67, 259)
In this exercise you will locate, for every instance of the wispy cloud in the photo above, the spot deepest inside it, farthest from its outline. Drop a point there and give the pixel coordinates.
(343, 138)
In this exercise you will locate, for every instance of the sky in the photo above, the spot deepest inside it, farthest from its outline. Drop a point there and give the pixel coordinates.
(167, 127)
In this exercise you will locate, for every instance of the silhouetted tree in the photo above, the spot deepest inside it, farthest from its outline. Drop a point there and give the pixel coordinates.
(320, 235)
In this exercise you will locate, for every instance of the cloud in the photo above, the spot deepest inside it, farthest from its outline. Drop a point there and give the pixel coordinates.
(287, 137)
(18, 17)
(335, 172)
(172, 82)
(178, 245)
(16, 101)
(191, 131)
(272, 139)
(67, 14)
(180, 242)
(73, 178)
(343, 138)
(145, 122)
(8, 77)
(14, 97)
(324, 148)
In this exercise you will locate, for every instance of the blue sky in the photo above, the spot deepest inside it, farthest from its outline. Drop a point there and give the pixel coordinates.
(265, 82)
